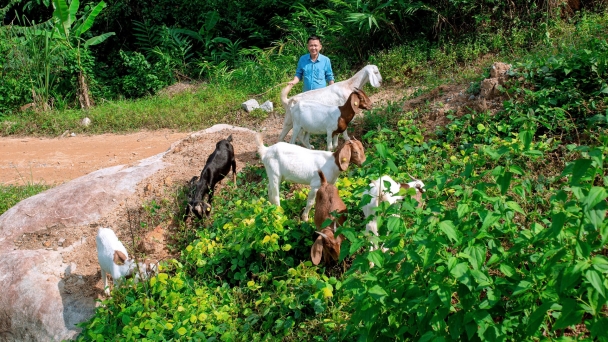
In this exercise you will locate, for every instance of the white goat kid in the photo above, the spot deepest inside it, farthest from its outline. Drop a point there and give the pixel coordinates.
(380, 193)
(114, 259)
(300, 165)
(333, 95)
(317, 118)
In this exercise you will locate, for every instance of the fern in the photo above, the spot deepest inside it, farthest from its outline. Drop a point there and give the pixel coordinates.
(148, 37)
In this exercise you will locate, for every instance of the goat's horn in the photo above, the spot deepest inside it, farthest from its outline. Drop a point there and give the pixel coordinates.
(412, 177)
(323, 235)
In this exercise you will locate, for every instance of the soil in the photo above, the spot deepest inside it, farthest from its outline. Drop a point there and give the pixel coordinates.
(56, 160)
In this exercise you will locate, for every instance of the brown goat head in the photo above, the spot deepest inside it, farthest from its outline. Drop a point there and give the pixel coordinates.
(350, 151)
(359, 100)
(326, 246)
(328, 200)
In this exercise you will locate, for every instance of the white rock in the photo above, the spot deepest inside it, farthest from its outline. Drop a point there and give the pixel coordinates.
(85, 122)
(250, 105)
(73, 134)
(267, 107)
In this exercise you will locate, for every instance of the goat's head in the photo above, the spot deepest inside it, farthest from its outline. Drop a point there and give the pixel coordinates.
(359, 100)
(350, 151)
(375, 79)
(199, 208)
(415, 183)
(326, 246)
(328, 201)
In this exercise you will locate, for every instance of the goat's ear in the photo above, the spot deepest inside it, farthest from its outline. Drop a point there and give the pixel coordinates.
(229, 138)
(316, 252)
(119, 258)
(344, 156)
(404, 186)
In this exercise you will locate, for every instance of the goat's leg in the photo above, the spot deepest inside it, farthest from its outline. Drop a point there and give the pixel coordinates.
(104, 277)
(287, 125)
(345, 135)
(234, 172)
(294, 133)
(335, 141)
(305, 139)
(274, 183)
(310, 201)
(330, 145)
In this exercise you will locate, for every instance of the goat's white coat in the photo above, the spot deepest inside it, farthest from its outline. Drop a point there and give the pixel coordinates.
(332, 95)
(107, 245)
(296, 164)
(380, 193)
(316, 118)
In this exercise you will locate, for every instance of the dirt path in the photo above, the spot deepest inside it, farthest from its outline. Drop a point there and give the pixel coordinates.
(54, 161)
(57, 160)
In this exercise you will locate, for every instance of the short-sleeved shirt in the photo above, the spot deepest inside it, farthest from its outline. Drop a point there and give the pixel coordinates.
(314, 74)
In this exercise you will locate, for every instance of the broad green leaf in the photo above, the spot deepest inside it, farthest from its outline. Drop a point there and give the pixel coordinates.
(516, 170)
(392, 166)
(88, 22)
(181, 331)
(481, 278)
(515, 207)
(538, 316)
(569, 276)
(377, 257)
(476, 255)
(382, 152)
(462, 209)
(583, 249)
(98, 39)
(596, 280)
(504, 181)
(571, 314)
(490, 218)
(523, 286)
(557, 223)
(598, 328)
(579, 169)
(507, 270)
(595, 196)
(448, 228)
(62, 14)
(600, 263)
(377, 293)
(526, 139)
(460, 271)
(394, 224)
(74, 4)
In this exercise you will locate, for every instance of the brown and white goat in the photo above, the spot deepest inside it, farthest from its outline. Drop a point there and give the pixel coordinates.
(327, 201)
(317, 118)
(296, 164)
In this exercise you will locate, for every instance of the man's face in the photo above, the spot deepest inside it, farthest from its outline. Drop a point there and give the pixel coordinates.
(314, 46)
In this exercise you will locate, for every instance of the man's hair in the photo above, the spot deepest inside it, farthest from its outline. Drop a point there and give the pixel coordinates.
(313, 38)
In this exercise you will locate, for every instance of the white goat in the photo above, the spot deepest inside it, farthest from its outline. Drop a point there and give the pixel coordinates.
(317, 118)
(333, 95)
(114, 259)
(300, 165)
(380, 193)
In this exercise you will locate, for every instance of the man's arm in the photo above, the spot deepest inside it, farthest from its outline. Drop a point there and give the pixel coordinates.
(329, 74)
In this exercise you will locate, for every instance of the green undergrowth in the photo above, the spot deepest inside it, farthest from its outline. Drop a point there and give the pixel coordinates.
(13, 194)
(510, 243)
(418, 63)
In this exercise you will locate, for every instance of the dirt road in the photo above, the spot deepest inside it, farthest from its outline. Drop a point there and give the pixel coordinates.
(57, 160)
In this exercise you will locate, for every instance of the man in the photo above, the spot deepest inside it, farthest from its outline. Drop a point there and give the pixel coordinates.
(314, 68)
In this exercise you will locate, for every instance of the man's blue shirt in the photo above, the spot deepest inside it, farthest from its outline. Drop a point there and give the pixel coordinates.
(314, 74)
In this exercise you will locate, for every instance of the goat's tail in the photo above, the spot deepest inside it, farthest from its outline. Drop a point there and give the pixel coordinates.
(261, 148)
(322, 176)
(284, 93)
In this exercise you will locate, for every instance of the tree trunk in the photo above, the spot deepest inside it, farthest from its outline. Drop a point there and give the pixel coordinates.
(83, 92)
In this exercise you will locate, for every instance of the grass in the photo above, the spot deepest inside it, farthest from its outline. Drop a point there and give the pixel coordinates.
(13, 194)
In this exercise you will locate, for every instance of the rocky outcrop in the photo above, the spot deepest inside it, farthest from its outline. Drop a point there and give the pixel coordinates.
(34, 302)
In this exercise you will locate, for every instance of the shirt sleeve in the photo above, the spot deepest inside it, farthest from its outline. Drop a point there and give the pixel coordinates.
(329, 74)
(300, 69)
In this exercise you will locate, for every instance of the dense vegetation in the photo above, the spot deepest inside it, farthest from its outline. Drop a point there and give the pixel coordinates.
(60, 54)
(509, 245)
